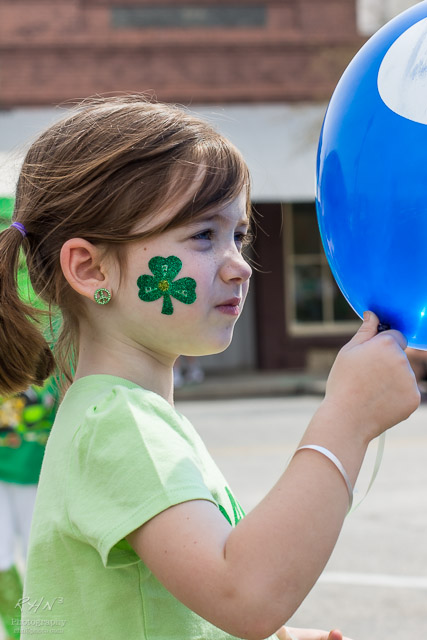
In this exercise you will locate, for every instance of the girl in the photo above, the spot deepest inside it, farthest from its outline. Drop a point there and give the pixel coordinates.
(133, 217)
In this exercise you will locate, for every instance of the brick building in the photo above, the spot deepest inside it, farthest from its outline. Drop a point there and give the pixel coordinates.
(261, 71)
(201, 52)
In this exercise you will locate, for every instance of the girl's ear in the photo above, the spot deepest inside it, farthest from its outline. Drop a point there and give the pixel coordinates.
(82, 267)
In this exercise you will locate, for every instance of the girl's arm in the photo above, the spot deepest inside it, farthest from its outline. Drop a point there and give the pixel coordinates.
(249, 580)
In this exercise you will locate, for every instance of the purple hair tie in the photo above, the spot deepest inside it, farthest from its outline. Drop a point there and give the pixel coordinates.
(20, 228)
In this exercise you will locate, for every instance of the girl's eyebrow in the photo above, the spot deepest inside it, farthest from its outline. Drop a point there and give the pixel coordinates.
(213, 217)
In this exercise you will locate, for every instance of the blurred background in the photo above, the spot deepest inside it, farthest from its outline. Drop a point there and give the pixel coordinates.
(262, 72)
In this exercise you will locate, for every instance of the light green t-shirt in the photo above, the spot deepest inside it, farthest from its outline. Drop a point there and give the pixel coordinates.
(117, 456)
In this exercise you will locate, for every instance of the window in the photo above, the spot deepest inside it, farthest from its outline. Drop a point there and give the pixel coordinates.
(188, 16)
(314, 302)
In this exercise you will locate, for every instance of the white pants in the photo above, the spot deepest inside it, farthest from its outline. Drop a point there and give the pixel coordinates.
(16, 512)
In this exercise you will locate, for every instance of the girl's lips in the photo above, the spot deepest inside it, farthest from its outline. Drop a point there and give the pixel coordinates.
(230, 307)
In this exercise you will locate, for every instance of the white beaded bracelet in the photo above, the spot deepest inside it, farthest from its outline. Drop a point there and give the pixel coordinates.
(336, 462)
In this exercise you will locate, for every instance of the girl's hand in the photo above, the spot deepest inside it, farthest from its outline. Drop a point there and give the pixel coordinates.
(371, 382)
(289, 633)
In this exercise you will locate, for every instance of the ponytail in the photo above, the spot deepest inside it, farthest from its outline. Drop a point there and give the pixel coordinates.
(25, 356)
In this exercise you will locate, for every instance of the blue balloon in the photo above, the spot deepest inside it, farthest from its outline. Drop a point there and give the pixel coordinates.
(371, 193)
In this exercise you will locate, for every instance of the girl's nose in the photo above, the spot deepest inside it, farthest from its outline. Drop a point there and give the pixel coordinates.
(236, 268)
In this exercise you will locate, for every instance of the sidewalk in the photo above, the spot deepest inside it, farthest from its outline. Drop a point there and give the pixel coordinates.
(243, 384)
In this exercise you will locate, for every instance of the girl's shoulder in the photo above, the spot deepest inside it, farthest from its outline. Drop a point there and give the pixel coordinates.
(116, 407)
(123, 422)
(106, 393)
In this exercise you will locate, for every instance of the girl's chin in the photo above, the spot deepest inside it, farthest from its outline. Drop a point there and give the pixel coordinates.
(206, 350)
(209, 343)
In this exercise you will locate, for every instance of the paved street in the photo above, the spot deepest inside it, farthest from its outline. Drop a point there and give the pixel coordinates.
(375, 585)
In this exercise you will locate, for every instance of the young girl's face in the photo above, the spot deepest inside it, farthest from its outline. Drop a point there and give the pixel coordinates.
(202, 264)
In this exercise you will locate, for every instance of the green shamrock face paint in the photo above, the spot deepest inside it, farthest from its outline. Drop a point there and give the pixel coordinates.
(161, 283)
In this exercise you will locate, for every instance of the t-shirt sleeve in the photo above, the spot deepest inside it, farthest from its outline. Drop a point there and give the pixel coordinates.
(129, 462)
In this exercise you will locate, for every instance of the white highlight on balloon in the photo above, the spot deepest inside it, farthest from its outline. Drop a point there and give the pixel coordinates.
(402, 77)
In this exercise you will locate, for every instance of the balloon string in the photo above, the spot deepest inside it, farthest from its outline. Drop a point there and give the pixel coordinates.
(377, 464)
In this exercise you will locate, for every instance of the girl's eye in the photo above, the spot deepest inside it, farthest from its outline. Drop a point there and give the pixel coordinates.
(204, 235)
(242, 239)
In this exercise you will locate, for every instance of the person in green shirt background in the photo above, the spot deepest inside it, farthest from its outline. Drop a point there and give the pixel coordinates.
(25, 423)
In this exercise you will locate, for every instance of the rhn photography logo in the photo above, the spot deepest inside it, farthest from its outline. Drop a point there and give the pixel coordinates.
(35, 625)
(35, 605)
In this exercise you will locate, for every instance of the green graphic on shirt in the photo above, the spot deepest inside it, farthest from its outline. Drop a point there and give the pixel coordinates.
(238, 512)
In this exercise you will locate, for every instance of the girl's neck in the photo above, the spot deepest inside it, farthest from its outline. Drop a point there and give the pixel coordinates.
(125, 361)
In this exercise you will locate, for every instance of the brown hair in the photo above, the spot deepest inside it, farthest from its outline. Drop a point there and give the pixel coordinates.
(95, 175)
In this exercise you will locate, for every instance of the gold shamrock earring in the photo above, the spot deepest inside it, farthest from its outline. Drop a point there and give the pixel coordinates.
(102, 296)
